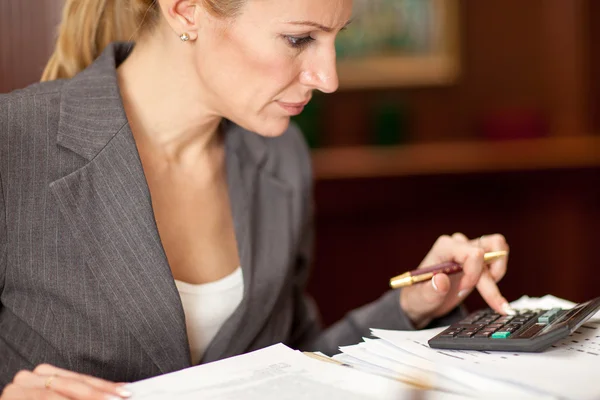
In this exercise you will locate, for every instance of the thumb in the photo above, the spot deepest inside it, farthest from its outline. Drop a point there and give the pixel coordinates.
(436, 290)
(420, 301)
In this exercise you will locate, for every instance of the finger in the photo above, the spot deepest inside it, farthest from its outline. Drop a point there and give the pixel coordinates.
(498, 269)
(440, 283)
(47, 369)
(471, 259)
(74, 388)
(460, 237)
(493, 242)
(16, 392)
(443, 250)
(428, 296)
(492, 296)
(432, 294)
(496, 242)
(465, 253)
(96, 383)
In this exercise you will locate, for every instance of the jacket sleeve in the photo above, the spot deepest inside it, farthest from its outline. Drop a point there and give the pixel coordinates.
(3, 230)
(384, 313)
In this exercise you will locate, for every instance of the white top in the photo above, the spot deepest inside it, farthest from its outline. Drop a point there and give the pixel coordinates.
(207, 307)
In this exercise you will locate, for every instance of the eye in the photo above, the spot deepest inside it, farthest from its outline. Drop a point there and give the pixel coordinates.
(299, 42)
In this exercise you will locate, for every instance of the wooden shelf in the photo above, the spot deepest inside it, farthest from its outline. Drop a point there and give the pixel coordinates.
(457, 157)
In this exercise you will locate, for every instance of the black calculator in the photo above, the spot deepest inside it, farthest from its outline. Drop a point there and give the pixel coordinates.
(527, 331)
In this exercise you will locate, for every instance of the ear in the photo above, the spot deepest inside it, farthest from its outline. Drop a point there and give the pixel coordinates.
(184, 17)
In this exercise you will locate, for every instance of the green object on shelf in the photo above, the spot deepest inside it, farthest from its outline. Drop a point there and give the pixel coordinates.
(391, 124)
(309, 122)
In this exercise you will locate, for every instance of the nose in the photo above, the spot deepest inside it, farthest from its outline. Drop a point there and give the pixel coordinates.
(320, 72)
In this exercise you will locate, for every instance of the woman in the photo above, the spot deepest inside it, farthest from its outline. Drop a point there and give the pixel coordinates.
(155, 208)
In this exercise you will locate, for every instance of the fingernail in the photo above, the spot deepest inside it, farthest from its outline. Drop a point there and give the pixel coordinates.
(508, 309)
(463, 293)
(433, 284)
(124, 392)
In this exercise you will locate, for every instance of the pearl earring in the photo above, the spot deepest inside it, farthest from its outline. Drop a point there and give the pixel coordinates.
(184, 37)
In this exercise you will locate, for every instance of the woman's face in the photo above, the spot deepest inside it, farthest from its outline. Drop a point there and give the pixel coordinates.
(261, 68)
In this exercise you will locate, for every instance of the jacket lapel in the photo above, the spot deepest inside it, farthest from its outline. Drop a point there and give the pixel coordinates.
(107, 204)
(261, 207)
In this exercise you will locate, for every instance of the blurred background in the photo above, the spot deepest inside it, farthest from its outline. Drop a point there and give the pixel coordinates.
(453, 115)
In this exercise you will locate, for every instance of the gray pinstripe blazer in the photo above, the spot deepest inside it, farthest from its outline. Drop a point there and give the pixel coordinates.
(84, 281)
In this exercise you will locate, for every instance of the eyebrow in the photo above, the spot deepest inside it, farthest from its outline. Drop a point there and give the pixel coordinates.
(317, 25)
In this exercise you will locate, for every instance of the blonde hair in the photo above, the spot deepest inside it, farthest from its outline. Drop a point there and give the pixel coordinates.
(88, 26)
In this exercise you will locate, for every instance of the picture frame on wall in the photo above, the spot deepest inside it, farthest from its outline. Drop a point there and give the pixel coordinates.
(396, 43)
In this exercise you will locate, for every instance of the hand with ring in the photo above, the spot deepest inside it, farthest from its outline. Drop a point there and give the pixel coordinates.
(49, 382)
(424, 302)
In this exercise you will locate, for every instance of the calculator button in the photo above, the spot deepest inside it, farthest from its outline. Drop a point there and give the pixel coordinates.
(486, 320)
(466, 322)
(488, 329)
(528, 313)
(495, 325)
(503, 320)
(465, 334)
(447, 334)
(512, 325)
(510, 329)
(484, 334)
(549, 316)
(500, 335)
(467, 326)
(475, 326)
(450, 332)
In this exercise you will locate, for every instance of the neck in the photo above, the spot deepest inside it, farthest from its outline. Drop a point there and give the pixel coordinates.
(165, 110)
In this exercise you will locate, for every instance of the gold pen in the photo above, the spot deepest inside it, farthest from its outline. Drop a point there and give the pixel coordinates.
(425, 274)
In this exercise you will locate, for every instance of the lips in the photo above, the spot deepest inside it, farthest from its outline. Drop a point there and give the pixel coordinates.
(293, 108)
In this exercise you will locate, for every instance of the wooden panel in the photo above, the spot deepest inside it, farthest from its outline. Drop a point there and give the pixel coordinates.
(564, 40)
(594, 51)
(538, 57)
(518, 57)
(27, 35)
(370, 230)
(502, 68)
(457, 157)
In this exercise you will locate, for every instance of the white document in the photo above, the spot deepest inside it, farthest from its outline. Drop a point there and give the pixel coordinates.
(445, 377)
(571, 369)
(415, 372)
(277, 373)
(545, 302)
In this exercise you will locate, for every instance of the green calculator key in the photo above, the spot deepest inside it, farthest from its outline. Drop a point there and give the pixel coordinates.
(500, 335)
(549, 316)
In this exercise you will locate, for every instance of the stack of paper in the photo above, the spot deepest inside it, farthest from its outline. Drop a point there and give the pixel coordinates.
(396, 365)
(275, 373)
(569, 370)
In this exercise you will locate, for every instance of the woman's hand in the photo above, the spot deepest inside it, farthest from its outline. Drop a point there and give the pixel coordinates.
(426, 301)
(48, 382)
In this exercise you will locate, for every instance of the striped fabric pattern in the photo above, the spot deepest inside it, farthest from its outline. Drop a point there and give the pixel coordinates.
(84, 281)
